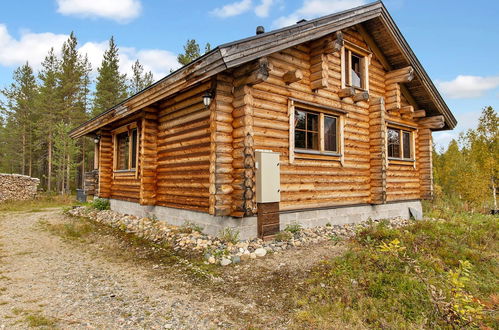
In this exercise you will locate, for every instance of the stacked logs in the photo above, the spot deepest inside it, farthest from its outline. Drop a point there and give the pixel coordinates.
(244, 184)
(221, 147)
(425, 163)
(377, 151)
(17, 187)
(434, 122)
(106, 164)
(393, 79)
(149, 157)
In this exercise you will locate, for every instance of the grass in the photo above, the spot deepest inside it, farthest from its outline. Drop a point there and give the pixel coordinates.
(43, 201)
(431, 274)
(37, 320)
(74, 229)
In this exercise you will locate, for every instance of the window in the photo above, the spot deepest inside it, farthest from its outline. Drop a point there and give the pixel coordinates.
(354, 69)
(399, 143)
(316, 131)
(126, 147)
(306, 130)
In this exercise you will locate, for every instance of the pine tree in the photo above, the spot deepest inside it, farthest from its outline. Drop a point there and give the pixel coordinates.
(20, 108)
(140, 79)
(73, 81)
(191, 52)
(49, 106)
(110, 88)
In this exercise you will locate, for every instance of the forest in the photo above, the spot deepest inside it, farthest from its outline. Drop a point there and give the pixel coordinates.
(38, 109)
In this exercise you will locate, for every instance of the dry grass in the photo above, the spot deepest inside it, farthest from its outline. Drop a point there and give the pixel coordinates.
(42, 201)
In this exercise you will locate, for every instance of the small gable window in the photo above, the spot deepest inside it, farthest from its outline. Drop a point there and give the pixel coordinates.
(399, 144)
(355, 67)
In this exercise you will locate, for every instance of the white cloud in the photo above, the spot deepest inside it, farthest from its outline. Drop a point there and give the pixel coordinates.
(158, 61)
(465, 120)
(33, 47)
(232, 9)
(118, 10)
(263, 9)
(468, 86)
(316, 8)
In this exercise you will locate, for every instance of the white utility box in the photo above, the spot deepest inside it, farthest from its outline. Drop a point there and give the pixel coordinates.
(268, 177)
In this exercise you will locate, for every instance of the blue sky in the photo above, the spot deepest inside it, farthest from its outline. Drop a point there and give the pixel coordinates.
(456, 41)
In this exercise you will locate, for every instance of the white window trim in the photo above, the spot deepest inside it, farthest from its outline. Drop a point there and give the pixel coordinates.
(322, 110)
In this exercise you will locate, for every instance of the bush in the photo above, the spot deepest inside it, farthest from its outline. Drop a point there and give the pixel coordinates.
(229, 235)
(283, 236)
(293, 228)
(431, 274)
(189, 227)
(101, 204)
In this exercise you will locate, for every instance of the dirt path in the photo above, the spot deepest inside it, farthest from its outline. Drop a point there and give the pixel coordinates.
(101, 282)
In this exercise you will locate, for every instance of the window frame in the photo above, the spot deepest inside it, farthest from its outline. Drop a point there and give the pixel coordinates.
(346, 60)
(126, 128)
(322, 111)
(412, 151)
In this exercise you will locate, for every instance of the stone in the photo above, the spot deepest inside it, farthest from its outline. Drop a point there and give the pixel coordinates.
(225, 262)
(212, 260)
(245, 257)
(260, 252)
(252, 255)
(236, 259)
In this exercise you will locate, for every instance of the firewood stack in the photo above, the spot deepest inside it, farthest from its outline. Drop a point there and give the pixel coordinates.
(17, 187)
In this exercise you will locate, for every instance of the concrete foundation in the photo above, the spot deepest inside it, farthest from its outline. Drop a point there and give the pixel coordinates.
(247, 227)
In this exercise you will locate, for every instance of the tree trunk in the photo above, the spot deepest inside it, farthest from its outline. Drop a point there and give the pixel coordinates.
(494, 193)
(83, 163)
(68, 173)
(49, 165)
(23, 165)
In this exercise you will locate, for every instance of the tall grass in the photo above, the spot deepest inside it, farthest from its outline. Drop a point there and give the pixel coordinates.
(432, 274)
(42, 201)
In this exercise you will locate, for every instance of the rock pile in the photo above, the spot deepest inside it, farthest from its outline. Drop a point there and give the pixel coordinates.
(187, 239)
(17, 187)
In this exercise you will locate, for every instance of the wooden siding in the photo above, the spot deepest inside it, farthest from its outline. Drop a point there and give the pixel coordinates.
(221, 169)
(183, 151)
(203, 159)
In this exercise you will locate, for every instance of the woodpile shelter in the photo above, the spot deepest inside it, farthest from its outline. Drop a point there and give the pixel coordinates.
(326, 121)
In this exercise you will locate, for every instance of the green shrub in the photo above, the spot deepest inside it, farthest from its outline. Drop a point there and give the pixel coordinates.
(431, 274)
(101, 204)
(189, 227)
(293, 228)
(229, 235)
(283, 236)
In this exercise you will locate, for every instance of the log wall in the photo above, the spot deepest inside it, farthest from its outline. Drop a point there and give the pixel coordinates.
(183, 151)
(203, 159)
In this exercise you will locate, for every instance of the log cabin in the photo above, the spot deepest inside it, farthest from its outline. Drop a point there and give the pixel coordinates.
(328, 121)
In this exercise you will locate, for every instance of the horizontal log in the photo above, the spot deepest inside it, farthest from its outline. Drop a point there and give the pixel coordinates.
(346, 92)
(403, 75)
(292, 76)
(419, 114)
(361, 96)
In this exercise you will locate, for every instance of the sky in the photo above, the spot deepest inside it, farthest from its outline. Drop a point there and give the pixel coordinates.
(457, 42)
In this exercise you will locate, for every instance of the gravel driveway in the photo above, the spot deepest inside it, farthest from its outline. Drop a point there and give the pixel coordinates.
(101, 282)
